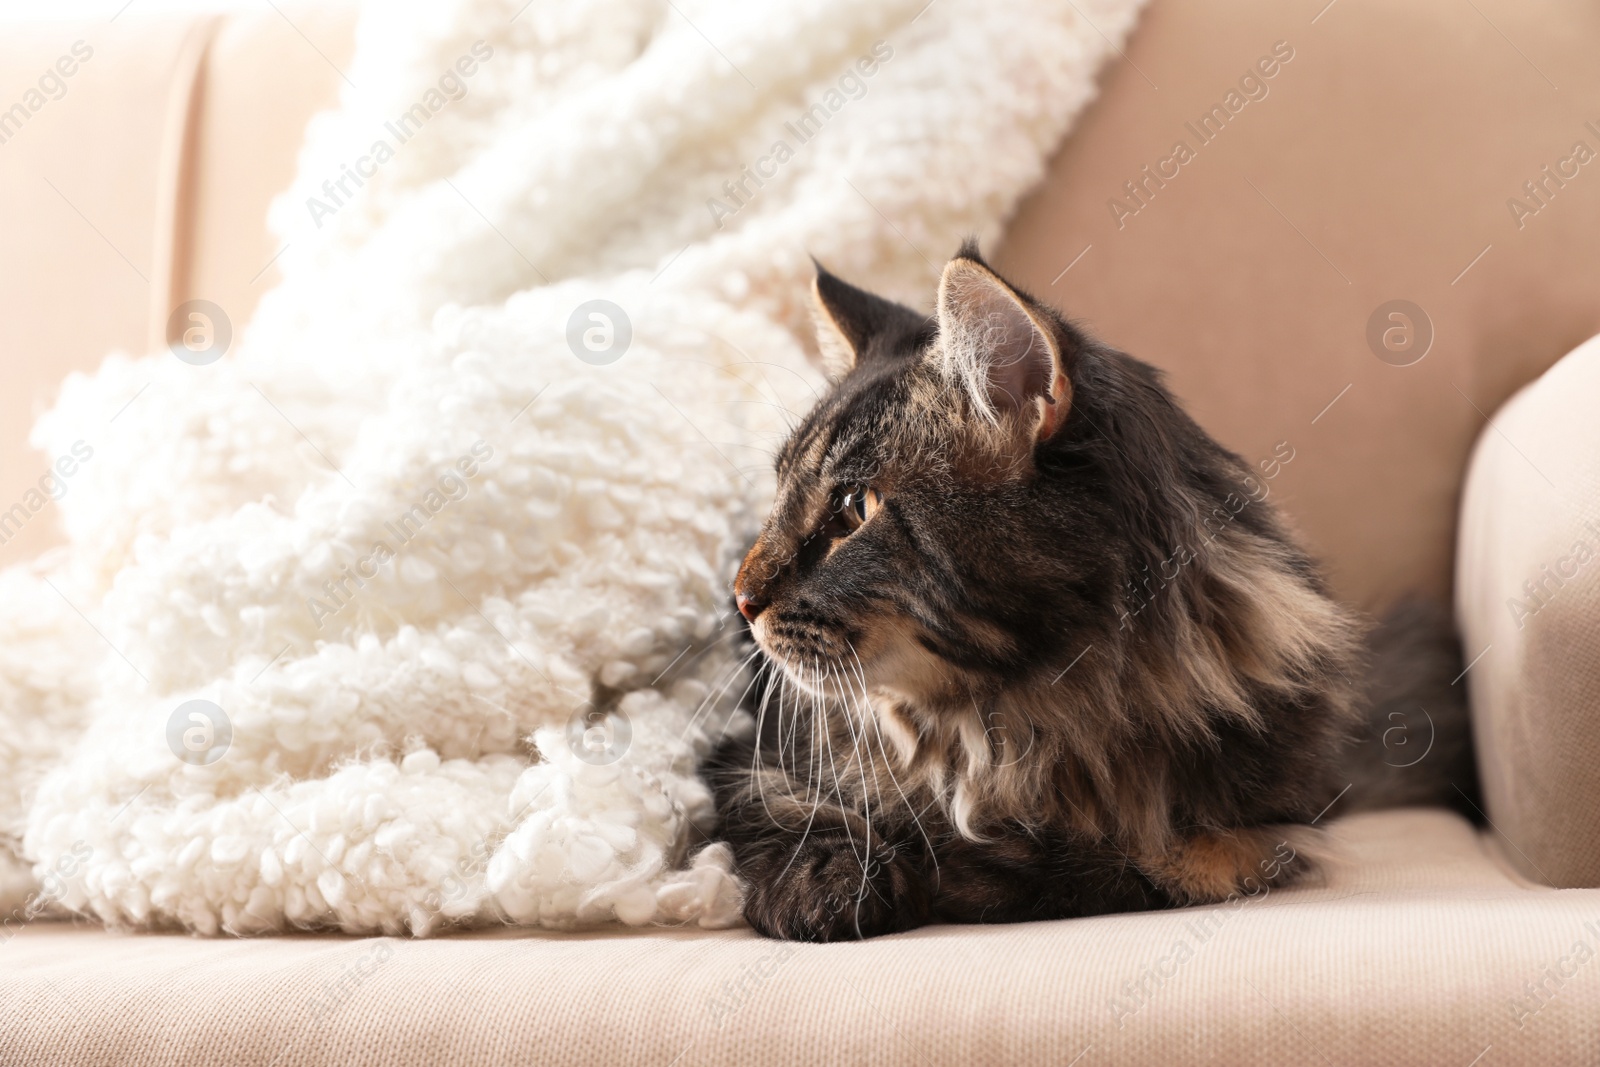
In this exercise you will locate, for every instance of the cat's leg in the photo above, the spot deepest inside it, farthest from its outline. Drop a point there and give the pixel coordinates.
(1208, 866)
(1023, 875)
(814, 869)
(829, 886)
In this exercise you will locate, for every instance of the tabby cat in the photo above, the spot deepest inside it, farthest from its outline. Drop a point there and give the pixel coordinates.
(1038, 646)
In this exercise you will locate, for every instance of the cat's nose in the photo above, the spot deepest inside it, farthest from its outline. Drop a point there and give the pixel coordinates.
(747, 607)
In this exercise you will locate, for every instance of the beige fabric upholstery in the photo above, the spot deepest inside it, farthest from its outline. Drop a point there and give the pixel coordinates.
(1528, 595)
(79, 233)
(1417, 950)
(1377, 167)
(144, 185)
(1394, 162)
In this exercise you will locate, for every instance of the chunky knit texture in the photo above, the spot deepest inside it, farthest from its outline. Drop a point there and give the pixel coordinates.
(418, 749)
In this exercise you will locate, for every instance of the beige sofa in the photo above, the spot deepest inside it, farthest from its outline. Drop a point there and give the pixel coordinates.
(1379, 168)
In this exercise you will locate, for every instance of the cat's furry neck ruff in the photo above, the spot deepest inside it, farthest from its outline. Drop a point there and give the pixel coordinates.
(1035, 598)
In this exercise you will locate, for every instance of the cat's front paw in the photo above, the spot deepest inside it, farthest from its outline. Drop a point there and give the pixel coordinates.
(1211, 867)
(831, 891)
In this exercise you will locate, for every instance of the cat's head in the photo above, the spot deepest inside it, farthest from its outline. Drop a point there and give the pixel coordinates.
(934, 534)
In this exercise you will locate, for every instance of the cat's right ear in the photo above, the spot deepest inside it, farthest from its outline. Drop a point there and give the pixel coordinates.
(853, 324)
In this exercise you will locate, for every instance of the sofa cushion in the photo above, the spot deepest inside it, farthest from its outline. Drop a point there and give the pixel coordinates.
(1528, 597)
(1421, 947)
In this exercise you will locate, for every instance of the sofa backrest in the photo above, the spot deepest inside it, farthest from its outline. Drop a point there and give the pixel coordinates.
(140, 180)
(1376, 162)
(1334, 166)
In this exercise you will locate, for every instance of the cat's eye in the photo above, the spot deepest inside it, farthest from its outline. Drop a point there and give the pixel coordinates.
(857, 504)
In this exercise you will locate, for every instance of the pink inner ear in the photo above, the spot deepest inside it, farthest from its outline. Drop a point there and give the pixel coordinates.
(1016, 357)
(1020, 360)
(992, 341)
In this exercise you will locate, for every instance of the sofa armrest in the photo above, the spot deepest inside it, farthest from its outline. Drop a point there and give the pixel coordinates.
(1528, 603)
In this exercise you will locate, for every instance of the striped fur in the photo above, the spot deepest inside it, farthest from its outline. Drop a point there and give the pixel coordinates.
(1043, 679)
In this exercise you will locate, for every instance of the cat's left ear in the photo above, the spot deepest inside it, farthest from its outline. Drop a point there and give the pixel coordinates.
(1005, 352)
(853, 324)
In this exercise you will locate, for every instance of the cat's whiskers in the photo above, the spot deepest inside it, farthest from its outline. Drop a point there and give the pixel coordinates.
(755, 752)
(790, 417)
(794, 737)
(755, 759)
(678, 669)
(865, 859)
(888, 761)
(833, 763)
(816, 803)
(815, 396)
(719, 688)
(861, 763)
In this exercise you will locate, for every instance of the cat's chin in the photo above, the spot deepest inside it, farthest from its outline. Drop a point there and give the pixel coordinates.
(818, 678)
(814, 671)
(882, 659)
(856, 678)
(824, 677)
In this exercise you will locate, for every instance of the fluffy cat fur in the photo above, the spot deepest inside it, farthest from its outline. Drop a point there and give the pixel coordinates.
(1037, 645)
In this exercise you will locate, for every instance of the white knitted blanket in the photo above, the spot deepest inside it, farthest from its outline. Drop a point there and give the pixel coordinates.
(410, 611)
